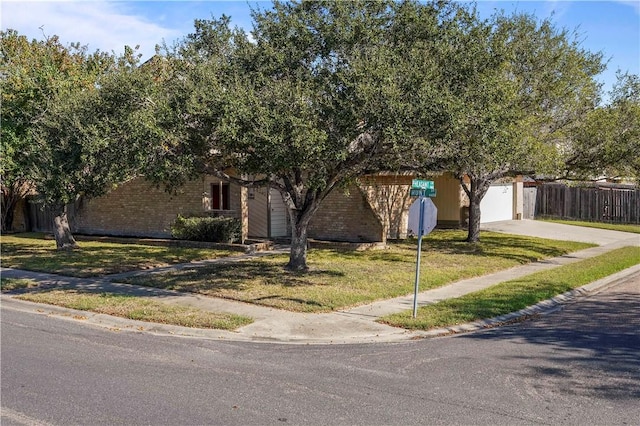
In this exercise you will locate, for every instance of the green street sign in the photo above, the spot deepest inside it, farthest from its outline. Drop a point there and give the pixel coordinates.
(422, 184)
(419, 192)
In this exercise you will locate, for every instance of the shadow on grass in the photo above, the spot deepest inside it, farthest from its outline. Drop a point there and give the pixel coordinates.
(94, 259)
(521, 249)
(379, 255)
(289, 299)
(233, 276)
(509, 247)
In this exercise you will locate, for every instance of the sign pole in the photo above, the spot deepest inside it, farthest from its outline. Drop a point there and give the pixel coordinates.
(420, 231)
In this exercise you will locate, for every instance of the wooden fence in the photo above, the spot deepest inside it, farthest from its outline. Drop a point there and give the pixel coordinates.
(41, 218)
(597, 203)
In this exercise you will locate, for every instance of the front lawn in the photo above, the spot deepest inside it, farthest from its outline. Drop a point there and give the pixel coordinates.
(339, 279)
(34, 253)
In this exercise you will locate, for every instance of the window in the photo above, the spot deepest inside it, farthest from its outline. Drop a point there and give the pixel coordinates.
(220, 196)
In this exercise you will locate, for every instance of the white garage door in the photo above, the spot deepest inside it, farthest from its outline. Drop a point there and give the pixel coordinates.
(497, 204)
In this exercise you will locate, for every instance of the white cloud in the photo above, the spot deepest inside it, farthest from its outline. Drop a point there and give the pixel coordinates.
(102, 25)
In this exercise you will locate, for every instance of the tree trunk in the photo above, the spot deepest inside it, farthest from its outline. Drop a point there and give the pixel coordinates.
(62, 231)
(9, 201)
(473, 234)
(301, 206)
(7, 216)
(476, 193)
(298, 254)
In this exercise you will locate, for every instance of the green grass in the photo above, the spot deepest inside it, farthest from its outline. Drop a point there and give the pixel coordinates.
(511, 296)
(339, 279)
(600, 225)
(34, 253)
(137, 308)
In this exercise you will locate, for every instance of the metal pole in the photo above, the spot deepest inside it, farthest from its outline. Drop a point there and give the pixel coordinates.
(420, 231)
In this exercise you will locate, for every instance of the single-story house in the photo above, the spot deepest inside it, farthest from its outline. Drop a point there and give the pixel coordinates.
(372, 209)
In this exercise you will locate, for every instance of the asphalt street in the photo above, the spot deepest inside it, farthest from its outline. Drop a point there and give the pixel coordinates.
(578, 365)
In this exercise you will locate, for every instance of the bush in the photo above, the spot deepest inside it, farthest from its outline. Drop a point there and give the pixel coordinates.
(213, 229)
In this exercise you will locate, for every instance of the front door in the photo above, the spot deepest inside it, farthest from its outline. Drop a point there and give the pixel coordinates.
(278, 223)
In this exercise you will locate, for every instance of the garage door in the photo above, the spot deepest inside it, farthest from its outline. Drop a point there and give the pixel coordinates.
(497, 204)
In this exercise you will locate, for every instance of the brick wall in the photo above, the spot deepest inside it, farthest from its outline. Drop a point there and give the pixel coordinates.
(388, 196)
(138, 208)
(372, 211)
(346, 216)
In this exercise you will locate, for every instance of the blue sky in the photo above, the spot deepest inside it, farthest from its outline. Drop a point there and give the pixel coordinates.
(612, 27)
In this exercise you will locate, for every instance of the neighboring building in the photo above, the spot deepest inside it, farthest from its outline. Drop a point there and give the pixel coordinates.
(373, 209)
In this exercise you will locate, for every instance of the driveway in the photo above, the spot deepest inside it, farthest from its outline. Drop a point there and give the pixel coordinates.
(557, 231)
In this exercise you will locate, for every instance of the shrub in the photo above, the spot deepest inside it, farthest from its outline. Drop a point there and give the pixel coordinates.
(213, 229)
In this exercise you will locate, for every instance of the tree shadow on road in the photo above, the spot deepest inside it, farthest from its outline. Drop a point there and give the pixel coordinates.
(591, 347)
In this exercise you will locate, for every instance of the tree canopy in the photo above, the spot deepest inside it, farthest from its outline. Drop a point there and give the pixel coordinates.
(317, 94)
(606, 144)
(73, 121)
(36, 77)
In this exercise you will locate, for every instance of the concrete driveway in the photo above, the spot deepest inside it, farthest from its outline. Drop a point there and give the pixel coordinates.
(556, 231)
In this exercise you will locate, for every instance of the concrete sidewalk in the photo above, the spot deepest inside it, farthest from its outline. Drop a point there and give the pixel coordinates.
(355, 325)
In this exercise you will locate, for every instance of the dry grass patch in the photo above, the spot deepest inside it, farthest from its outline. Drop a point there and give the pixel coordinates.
(137, 308)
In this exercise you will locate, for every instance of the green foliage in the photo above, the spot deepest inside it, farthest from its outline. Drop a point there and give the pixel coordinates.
(40, 77)
(323, 92)
(75, 124)
(214, 229)
(607, 142)
(92, 140)
(515, 87)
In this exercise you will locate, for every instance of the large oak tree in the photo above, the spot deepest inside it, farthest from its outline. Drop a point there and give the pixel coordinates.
(320, 93)
(75, 123)
(37, 76)
(516, 87)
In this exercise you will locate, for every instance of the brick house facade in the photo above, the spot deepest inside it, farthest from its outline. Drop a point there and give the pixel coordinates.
(370, 210)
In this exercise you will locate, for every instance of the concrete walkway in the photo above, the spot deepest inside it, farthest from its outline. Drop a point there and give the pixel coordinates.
(355, 325)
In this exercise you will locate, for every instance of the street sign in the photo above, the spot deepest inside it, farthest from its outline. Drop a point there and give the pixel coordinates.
(419, 192)
(429, 216)
(422, 184)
